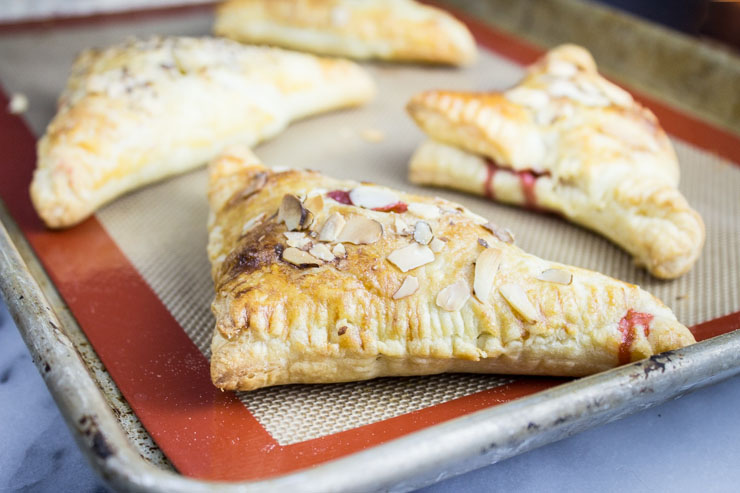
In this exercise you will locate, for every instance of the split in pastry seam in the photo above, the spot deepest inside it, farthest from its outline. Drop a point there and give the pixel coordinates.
(138, 112)
(320, 280)
(397, 30)
(568, 141)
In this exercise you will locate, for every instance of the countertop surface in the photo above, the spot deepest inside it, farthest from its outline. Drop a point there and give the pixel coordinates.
(639, 453)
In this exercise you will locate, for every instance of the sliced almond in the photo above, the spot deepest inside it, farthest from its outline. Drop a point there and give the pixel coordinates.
(293, 214)
(360, 230)
(411, 256)
(424, 211)
(322, 252)
(545, 115)
(423, 232)
(299, 258)
(372, 197)
(533, 98)
(332, 227)
(401, 227)
(339, 250)
(297, 239)
(583, 92)
(485, 271)
(256, 184)
(315, 204)
(561, 68)
(454, 296)
(503, 234)
(615, 93)
(557, 276)
(409, 286)
(515, 295)
(437, 245)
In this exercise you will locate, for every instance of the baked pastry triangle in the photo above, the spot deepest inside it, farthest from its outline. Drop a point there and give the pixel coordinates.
(401, 30)
(568, 141)
(147, 109)
(323, 280)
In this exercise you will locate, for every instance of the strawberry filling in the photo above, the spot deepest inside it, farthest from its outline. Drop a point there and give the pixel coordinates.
(628, 328)
(340, 196)
(398, 207)
(527, 180)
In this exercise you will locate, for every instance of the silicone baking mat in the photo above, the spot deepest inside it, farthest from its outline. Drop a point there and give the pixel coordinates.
(137, 279)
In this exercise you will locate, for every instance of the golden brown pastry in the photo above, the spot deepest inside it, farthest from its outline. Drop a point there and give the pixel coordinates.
(565, 140)
(322, 280)
(402, 30)
(147, 109)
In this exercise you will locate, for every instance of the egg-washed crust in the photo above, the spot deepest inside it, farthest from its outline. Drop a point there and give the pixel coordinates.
(399, 30)
(353, 314)
(565, 140)
(146, 109)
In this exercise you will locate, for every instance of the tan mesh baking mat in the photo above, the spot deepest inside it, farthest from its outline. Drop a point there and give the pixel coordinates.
(172, 215)
(157, 236)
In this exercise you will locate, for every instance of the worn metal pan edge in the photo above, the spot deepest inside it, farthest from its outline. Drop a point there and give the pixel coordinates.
(420, 458)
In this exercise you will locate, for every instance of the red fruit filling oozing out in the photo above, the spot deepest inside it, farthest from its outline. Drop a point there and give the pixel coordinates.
(398, 207)
(628, 327)
(527, 180)
(341, 196)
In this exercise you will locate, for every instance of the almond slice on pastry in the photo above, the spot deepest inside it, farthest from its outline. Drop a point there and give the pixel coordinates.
(401, 30)
(565, 140)
(147, 109)
(292, 307)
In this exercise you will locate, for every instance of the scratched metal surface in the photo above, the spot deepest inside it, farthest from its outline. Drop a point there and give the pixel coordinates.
(117, 443)
(421, 458)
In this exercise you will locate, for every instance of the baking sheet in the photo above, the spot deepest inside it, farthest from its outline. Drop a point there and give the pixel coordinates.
(161, 229)
(171, 216)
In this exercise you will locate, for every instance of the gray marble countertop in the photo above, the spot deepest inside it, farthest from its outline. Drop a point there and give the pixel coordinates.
(689, 444)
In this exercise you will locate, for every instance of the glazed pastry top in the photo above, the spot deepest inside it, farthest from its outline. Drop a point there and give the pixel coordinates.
(399, 30)
(597, 152)
(311, 271)
(146, 109)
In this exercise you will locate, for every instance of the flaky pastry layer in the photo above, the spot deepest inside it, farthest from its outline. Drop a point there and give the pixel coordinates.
(401, 30)
(324, 280)
(565, 140)
(147, 109)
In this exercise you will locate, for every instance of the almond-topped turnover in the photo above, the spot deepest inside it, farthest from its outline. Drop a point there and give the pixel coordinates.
(143, 110)
(325, 280)
(565, 140)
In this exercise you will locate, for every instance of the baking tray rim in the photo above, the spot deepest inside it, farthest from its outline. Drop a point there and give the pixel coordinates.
(457, 446)
(419, 458)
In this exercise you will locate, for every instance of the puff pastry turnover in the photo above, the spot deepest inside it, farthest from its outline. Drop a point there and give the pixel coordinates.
(565, 140)
(403, 30)
(147, 109)
(322, 280)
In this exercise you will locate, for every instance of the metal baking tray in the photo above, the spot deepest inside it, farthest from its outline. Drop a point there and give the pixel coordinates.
(102, 404)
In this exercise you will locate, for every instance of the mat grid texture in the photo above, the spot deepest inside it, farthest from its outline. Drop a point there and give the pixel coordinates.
(161, 229)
